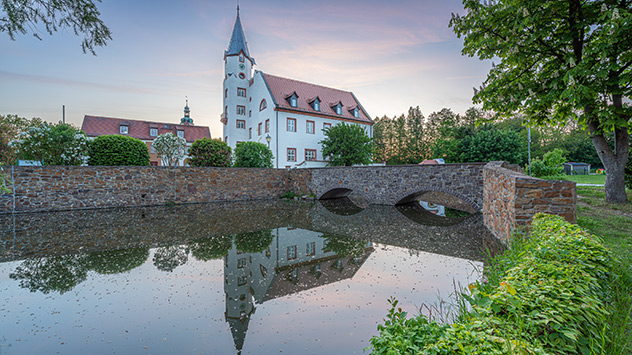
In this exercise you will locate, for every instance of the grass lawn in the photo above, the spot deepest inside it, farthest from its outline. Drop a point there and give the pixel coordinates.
(613, 222)
(587, 179)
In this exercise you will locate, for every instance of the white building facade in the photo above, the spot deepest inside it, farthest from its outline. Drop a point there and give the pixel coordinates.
(288, 115)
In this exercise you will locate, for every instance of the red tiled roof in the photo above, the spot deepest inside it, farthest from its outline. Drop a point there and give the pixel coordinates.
(282, 88)
(95, 126)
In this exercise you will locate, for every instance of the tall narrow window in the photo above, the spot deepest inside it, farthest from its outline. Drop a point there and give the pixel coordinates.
(250, 133)
(291, 125)
(259, 129)
(267, 126)
(310, 249)
(310, 127)
(291, 154)
(225, 93)
(241, 57)
(241, 92)
(291, 252)
(263, 105)
(241, 110)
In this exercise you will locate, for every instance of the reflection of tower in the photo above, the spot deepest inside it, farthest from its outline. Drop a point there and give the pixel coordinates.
(247, 277)
(295, 260)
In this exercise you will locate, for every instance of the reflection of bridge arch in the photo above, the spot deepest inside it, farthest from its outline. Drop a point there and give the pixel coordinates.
(413, 194)
(390, 185)
(466, 239)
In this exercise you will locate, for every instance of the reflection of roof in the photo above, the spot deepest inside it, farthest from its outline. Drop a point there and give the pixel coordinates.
(282, 88)
(239, 328)
(95, 126)
(306, 278)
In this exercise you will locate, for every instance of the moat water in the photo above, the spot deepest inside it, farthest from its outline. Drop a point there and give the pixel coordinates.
(260, 277)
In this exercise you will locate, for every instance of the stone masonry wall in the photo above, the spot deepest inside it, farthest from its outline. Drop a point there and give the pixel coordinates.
(51, 188)
(511, 198)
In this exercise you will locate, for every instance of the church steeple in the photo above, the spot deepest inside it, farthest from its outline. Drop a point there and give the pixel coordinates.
(238, 42)
(186, 120)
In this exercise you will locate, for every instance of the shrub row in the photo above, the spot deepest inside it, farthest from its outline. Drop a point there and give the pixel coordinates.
(548, 294)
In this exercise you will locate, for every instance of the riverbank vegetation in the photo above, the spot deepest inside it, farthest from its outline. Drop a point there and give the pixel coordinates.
(558, 291)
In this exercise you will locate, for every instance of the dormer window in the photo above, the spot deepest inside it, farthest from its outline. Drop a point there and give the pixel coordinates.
(338, 108)
(356, 112)
(293, 99)
(123, 129)
(316, 104)
(153, 132)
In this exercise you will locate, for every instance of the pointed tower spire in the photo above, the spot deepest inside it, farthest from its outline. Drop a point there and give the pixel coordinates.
(186, 120)
(238, 42)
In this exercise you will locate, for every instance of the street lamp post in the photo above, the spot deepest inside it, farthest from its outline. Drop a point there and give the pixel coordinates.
(268, 139)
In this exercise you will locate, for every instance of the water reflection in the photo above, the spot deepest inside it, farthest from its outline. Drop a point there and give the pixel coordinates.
(270, 252)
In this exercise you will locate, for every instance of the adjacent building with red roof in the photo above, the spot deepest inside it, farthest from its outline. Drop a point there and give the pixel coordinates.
(146, 131)
(288, 115)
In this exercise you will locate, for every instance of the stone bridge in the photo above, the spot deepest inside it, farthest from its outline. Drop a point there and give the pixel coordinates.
(394, 185)
(506, 196)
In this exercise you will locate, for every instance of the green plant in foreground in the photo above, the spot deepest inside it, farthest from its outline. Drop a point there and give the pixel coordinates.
(551, 293)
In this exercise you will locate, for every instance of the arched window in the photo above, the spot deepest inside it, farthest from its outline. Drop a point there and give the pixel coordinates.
(263, 105)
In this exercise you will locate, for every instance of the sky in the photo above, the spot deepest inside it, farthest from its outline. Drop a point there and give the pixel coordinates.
(391, 54)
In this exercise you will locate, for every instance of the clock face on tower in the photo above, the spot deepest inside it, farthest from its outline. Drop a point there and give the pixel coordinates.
(242, 66)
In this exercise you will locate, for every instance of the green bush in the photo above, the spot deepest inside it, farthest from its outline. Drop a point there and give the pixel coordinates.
(116, 150)
(549, 294)
(549, 165)
(210, 152)
(253, 155)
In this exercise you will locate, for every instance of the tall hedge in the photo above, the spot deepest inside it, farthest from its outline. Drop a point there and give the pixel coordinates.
(210, 152)
(117, 150)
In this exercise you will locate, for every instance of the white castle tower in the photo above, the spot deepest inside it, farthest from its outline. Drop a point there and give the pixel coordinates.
(238, 68)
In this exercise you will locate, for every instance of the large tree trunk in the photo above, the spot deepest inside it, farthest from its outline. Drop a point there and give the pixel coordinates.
(614, 162)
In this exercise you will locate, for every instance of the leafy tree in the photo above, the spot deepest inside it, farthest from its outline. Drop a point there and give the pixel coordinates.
(253, 155)
(10, 127)
(169, 258)
(117, 150)
(254, 242)
(549, 165)
(169, 148)
(210, 248)
(210, 152)
(347, 145)
(559, 59)
(81, 16)
(344, 246)
(56, 273)
(59, 144)
(117, 261)
(489, 145)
